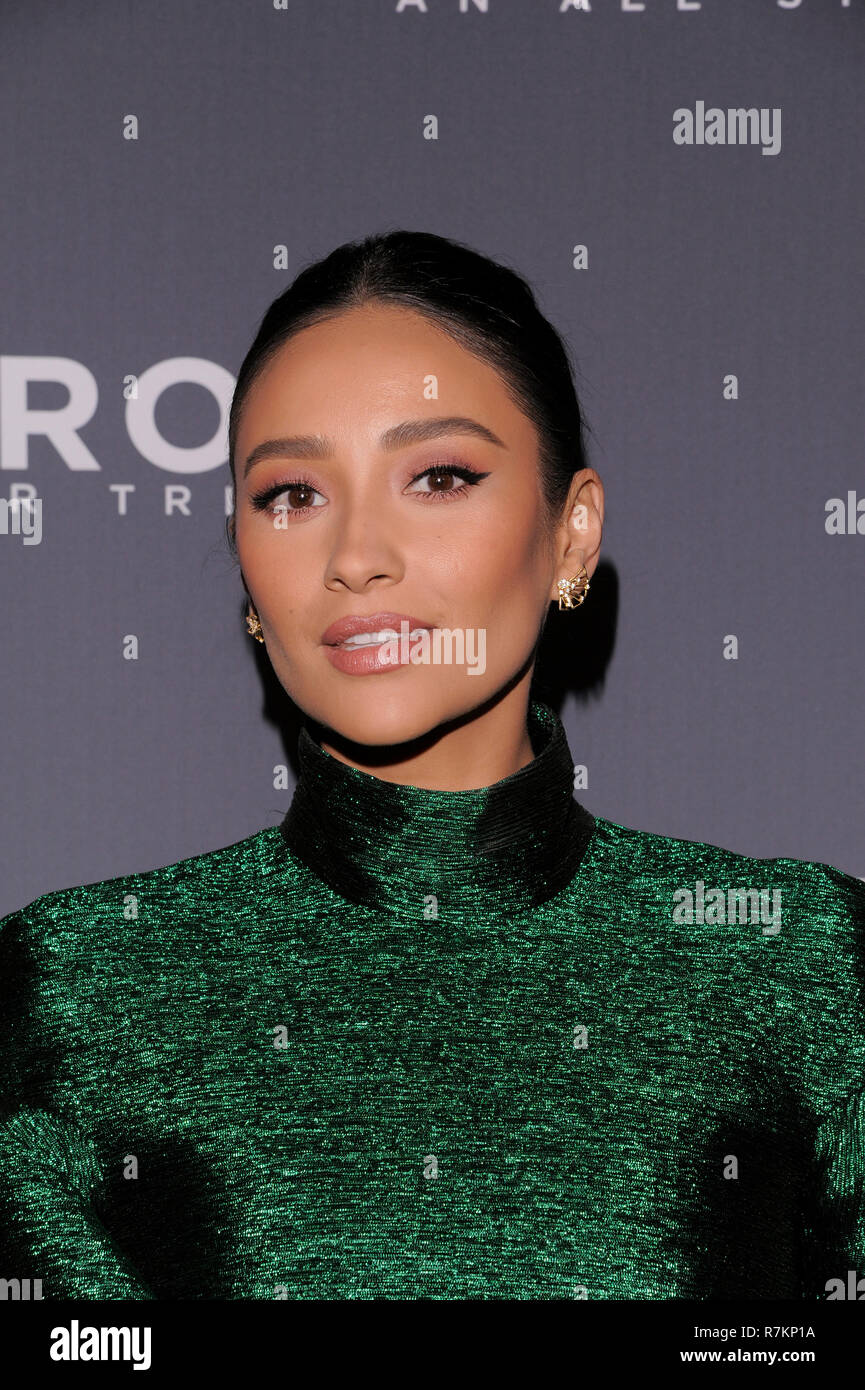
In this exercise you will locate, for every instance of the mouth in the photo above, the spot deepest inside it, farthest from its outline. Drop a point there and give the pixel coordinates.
(371, 639)
(355, 632)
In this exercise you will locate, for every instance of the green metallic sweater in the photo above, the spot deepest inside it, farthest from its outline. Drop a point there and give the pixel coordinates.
(418, 1044)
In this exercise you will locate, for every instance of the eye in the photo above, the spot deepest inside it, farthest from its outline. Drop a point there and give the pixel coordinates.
(297, 490)
(439, 473)
(262, 500)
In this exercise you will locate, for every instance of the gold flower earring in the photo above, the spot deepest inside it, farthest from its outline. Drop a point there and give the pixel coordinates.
(253, 626)
(573, 591)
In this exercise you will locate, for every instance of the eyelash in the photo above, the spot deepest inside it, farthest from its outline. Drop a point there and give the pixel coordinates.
(262, 500)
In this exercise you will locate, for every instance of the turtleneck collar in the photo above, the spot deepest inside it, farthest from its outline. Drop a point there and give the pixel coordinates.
(501, 848)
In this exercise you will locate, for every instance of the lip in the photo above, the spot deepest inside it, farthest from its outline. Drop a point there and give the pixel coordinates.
(374, 622)
(367, 661)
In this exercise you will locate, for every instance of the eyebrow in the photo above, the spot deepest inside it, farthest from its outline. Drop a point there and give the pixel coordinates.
(318, 446)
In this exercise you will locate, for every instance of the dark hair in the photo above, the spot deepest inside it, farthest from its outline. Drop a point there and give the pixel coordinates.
(485, 306)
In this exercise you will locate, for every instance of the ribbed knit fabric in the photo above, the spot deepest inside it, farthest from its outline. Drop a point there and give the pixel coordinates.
(447, 1045)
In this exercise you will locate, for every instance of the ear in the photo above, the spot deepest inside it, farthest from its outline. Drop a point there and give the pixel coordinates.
(580, 531)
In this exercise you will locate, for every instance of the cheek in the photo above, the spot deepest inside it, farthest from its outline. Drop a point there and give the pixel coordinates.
(268, 562)
(501, 584)
(506, 556)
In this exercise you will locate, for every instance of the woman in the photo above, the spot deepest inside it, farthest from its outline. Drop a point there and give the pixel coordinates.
(441, 1033)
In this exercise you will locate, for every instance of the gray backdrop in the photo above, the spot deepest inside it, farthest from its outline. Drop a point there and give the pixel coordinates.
(303, 126)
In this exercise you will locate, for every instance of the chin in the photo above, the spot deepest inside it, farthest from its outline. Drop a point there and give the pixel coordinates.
(390, 710)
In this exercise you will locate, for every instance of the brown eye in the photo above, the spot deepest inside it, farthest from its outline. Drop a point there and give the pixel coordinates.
(293, 495)
(435, 480)
(441, 480)
(306, 495)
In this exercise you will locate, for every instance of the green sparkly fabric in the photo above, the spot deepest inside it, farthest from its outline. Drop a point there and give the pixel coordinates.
(440, 1045)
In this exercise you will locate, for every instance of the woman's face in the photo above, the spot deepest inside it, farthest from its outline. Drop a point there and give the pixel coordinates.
(338, 520)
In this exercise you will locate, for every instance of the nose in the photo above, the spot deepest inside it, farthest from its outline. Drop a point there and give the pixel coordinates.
(364, 548)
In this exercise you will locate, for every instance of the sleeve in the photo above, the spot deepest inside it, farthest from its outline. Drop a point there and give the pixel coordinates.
(841, 1167)
(50, 1175)
(836, 1045)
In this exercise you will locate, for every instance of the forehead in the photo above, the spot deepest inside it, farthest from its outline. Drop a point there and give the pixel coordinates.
(375, 363)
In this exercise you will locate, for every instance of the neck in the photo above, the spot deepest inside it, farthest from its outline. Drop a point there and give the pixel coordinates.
(474, 750)
(479, 852)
